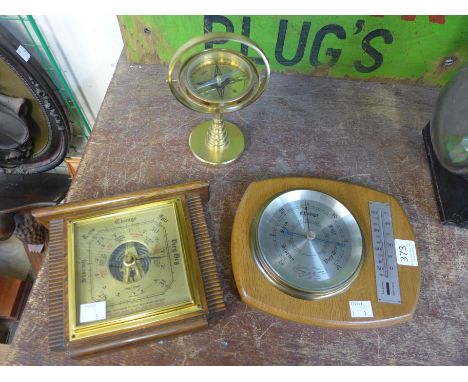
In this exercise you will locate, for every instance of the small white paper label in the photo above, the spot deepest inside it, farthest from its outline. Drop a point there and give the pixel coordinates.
(406, 252)
(93, 311)
(23, 53)
(361, 309)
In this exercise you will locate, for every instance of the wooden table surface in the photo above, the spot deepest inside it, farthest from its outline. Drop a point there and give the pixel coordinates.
(363, 132)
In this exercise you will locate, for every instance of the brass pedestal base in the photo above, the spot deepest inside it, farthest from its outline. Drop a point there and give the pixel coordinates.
(216, 142)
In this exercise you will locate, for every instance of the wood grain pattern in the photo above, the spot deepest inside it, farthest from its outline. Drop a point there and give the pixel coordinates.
(35, 259)
(72, 165)
(258, 292)
(364, 133)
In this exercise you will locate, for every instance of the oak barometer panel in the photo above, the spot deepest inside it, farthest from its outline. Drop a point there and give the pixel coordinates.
(325, 252)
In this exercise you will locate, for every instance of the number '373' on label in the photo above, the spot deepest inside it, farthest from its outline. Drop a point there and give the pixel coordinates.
(406, 252)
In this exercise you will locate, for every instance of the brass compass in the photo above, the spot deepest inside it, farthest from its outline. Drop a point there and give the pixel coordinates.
(217, 81)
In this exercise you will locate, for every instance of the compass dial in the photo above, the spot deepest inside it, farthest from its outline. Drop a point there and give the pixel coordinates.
(220, 76)
(131, 261)
(307, 244)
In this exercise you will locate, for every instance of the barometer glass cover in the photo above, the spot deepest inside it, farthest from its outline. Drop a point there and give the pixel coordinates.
(449, 126)
(307, 243)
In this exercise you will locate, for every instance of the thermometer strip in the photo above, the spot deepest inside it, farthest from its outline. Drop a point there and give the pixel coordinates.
(383, 245)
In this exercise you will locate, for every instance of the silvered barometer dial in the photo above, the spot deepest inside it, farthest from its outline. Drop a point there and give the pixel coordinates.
(128, 268)
(307, 244)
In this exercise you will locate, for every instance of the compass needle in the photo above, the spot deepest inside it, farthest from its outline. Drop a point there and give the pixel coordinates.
(139, 272)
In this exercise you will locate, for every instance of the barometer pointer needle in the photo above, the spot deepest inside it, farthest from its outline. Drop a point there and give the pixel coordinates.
(285, 230)
(225, 78)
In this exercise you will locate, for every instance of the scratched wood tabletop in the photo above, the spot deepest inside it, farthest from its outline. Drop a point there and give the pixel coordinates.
(363, 132)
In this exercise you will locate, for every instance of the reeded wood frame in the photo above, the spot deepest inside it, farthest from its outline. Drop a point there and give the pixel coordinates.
(199, 250)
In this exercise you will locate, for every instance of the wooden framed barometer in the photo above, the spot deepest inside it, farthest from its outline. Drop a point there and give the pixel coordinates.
(129, 268)
(324, 252)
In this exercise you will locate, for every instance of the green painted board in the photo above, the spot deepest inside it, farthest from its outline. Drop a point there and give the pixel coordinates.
(425, 50)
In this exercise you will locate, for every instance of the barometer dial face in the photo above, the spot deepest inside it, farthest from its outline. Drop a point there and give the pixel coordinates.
(307, 244)
(218, 76)
(128, 263)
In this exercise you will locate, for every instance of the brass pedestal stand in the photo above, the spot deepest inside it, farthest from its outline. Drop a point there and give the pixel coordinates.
(217, 81)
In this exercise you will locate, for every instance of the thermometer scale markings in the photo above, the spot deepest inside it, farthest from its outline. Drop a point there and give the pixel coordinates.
(386, 272)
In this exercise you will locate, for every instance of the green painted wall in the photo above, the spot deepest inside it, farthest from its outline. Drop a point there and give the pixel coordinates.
(407, 49)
